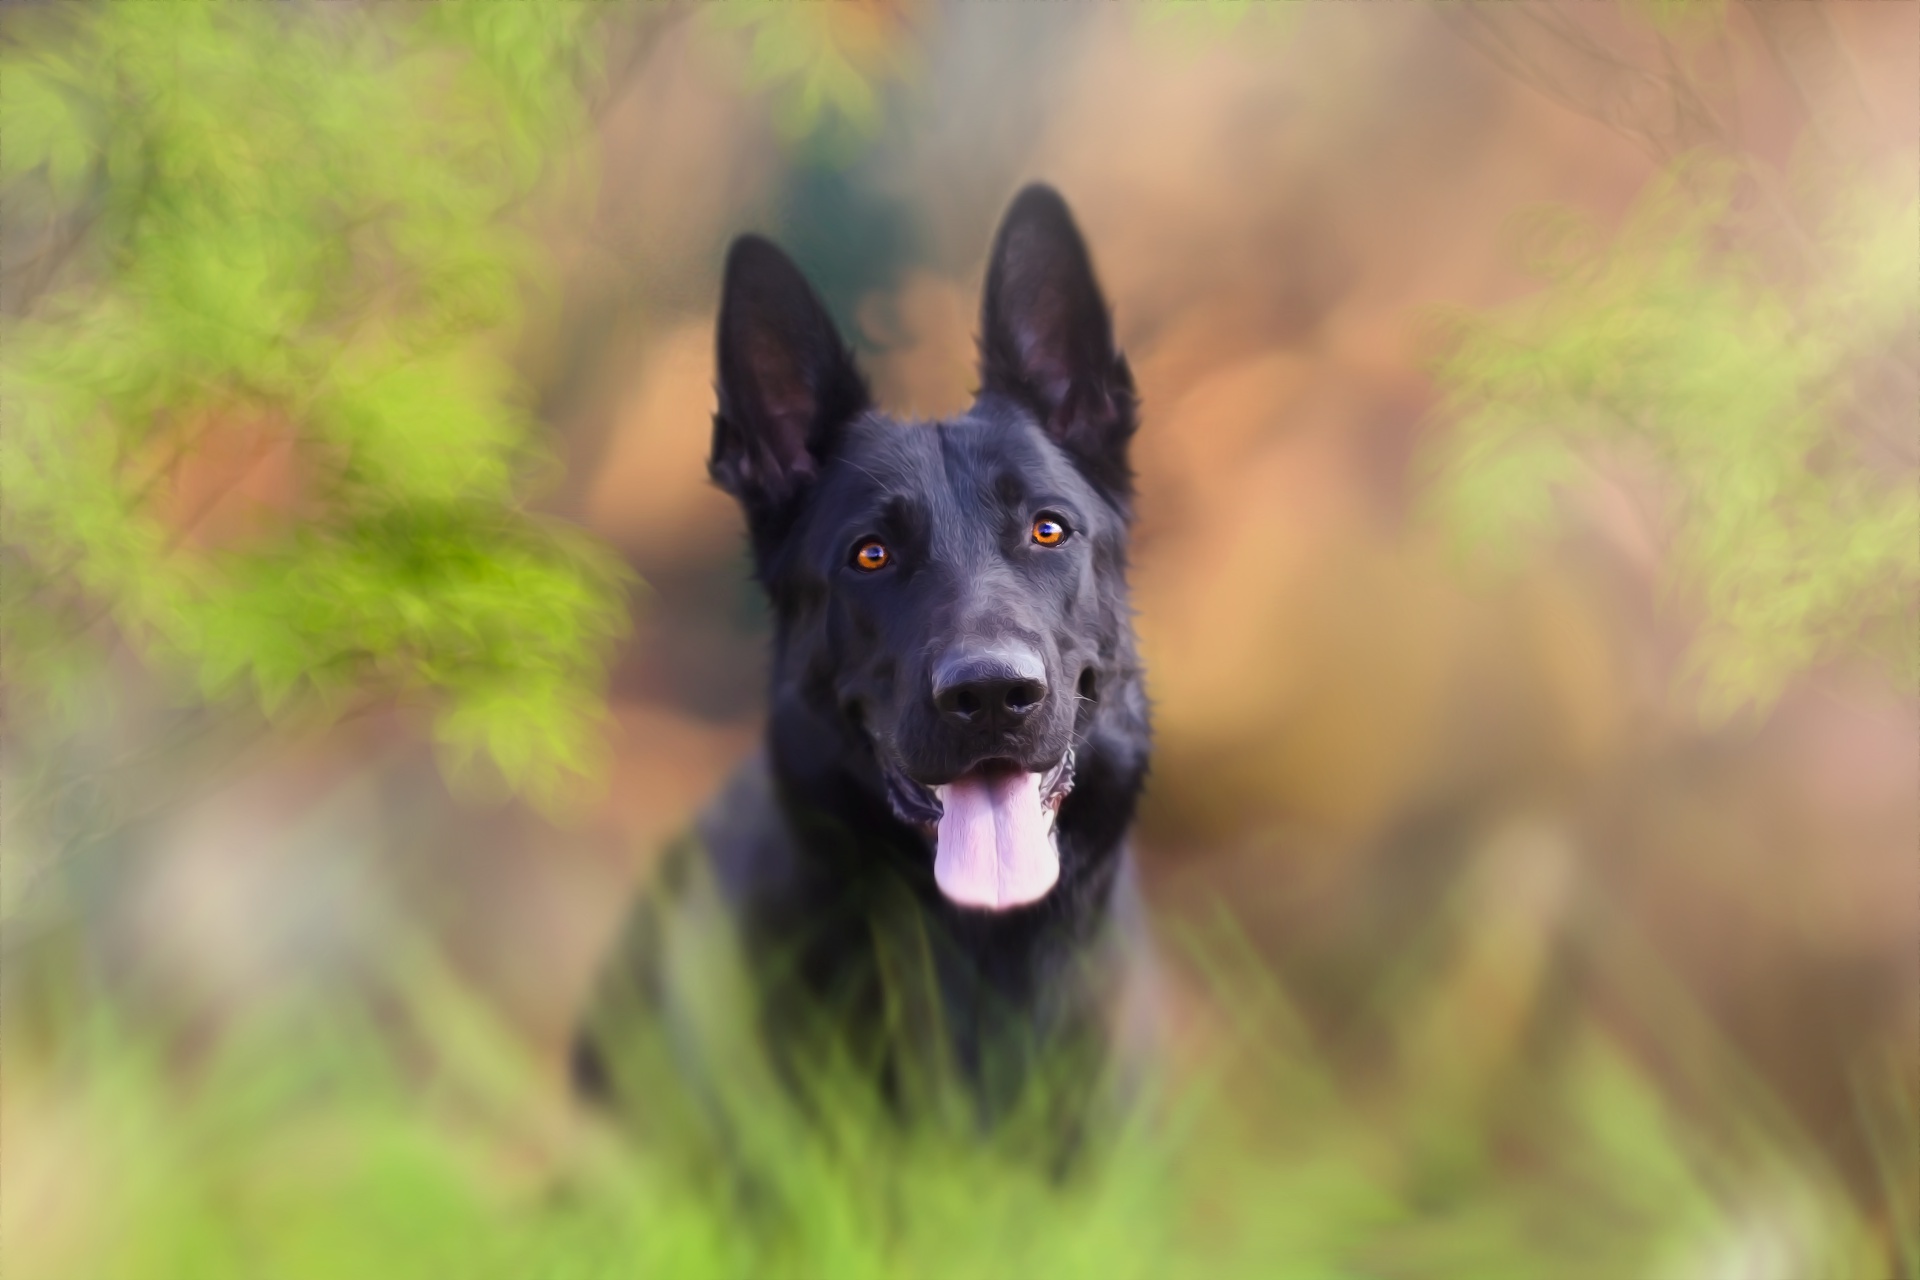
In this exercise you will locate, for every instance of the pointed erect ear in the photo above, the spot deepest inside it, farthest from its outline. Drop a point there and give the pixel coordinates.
(1046, 339)
(787, 382)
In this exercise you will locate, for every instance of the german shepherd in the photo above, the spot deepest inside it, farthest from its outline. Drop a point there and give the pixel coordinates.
(958, 729)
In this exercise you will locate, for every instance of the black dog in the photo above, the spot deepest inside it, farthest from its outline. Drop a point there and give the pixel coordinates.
(958, 729)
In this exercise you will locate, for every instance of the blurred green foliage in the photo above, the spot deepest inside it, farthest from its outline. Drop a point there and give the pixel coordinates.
(1741, 398)
(304, 1149)
(825, 66)
(302, 223)
(1190, 27)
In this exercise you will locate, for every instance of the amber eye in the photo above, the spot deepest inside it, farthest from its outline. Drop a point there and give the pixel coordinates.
(1049, 532)
(871, 556)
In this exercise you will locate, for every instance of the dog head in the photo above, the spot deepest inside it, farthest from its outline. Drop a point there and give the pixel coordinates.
(949, 595)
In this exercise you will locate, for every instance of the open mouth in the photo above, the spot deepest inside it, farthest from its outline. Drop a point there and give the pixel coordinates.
(995, 845)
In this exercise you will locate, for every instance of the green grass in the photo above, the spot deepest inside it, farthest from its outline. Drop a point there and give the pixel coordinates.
(319, 1142)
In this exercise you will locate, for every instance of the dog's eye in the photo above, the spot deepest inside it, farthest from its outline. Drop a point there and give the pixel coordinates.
(871, 555)
(1049, 532)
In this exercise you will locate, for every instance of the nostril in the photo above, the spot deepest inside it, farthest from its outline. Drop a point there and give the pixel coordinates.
(988, 690)
(1022, 694)
(1088, 689)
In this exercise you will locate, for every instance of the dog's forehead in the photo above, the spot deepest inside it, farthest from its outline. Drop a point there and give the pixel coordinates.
(974, 457)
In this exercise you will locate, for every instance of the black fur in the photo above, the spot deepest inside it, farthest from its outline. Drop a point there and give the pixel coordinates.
(823, 844)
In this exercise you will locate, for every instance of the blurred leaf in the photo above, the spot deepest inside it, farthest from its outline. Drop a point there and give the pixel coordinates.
(1673, 346)
(1689, 18)
(45, 123)
(1191, 26)
(822, 63)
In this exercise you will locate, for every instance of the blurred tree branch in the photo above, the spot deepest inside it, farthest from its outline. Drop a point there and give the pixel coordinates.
(1763, 385)
(304, 216)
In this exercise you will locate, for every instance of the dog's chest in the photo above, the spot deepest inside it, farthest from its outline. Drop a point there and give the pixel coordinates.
(744, 953)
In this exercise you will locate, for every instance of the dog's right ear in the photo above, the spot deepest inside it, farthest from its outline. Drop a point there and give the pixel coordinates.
(787, 383)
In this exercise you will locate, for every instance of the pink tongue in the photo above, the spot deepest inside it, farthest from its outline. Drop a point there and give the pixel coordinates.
(993, 849)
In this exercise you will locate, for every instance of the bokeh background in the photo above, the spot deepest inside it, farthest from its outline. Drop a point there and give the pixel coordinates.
(1525, 571)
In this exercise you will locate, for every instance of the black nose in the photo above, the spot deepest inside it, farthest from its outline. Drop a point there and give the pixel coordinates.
(993, 688)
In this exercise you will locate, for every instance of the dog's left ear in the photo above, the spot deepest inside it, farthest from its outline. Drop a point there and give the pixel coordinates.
(1046, 339)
